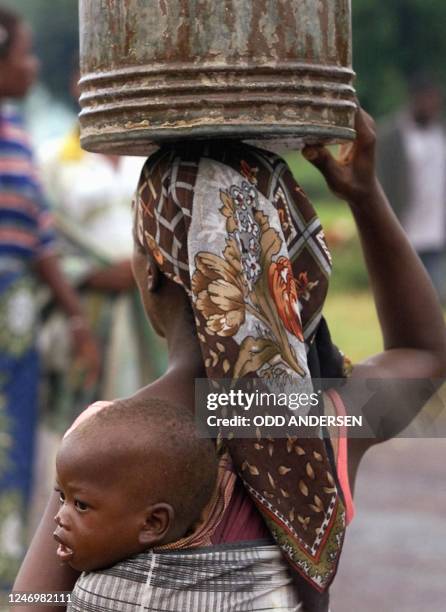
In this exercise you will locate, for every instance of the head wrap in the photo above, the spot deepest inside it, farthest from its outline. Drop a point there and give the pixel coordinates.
(229, 223)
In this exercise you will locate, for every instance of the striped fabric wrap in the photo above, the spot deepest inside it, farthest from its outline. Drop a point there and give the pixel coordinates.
(229, 578)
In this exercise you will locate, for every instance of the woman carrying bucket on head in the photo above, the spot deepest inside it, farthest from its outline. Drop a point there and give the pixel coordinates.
(282, 499)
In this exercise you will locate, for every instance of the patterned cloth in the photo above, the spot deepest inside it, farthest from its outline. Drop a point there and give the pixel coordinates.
(25, 234)
(212, 515)
(228, 223)
(227, 578)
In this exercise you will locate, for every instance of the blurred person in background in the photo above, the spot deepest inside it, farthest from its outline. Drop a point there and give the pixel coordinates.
(412, 170)
(27, 252)
(91, 196)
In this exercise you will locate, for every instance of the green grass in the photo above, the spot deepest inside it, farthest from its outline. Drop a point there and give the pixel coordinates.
(308, 177)
(353, 324)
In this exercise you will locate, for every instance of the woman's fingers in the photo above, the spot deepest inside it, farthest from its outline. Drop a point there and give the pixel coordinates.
(346, 153)
(321, 158)
(365, 130)
(351, 176)
(333, 172)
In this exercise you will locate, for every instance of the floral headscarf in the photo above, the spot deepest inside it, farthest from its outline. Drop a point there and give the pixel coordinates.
(228, 222)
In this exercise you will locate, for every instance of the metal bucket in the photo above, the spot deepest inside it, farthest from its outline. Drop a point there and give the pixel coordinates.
(160, 70)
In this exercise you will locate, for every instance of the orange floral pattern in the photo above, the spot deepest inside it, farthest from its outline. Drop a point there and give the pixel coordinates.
(283, 288)
(304, 286)
(154, 249)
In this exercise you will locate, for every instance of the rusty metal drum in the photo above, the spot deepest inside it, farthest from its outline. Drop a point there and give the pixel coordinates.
(160, 70)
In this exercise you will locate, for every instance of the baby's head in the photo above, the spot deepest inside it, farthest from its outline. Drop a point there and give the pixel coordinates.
(130, 477)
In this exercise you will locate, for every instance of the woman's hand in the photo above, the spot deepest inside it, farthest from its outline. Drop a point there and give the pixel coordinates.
(83, 343)
(85, 351)
(352, 176)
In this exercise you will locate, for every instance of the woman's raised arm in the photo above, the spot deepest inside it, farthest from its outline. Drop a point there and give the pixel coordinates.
(409, 312)
(410, 316)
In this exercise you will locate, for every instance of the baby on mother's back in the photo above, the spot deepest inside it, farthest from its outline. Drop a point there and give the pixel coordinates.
(132, 476)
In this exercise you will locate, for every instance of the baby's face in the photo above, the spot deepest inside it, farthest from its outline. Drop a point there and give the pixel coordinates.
(97, 525)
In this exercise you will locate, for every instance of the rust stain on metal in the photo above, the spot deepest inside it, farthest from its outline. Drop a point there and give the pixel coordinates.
(342, 32)
(210, 68)
(309, 42)
(129, 27)
(183, 32)
(258, 44)
(163, 7)
(286, 45)
(323, 11)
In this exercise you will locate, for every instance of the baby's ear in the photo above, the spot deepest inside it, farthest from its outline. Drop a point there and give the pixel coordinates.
(159, 519)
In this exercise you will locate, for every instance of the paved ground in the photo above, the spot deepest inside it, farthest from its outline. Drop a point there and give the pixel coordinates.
(394, 558)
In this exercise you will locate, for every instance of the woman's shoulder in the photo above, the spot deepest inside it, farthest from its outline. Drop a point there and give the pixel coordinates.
(87, 413)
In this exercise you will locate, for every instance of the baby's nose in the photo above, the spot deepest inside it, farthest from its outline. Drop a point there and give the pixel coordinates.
(60, 518)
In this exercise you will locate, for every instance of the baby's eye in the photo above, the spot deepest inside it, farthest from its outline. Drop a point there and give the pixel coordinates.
(80, 505)
(61, 494)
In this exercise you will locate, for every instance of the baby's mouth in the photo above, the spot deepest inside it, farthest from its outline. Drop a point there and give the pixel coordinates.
(64, 552)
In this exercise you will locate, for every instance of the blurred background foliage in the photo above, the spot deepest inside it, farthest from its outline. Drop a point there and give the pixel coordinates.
(391, 41)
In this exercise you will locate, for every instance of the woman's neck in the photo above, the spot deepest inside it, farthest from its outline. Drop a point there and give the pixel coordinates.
(184, 355)
(185, 365)
(177, 385)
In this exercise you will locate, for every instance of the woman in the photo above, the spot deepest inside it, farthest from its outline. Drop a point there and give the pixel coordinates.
(27, 251)
(412, 326)
(91, 196)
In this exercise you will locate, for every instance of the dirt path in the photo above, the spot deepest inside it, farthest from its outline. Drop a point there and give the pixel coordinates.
(394, 558)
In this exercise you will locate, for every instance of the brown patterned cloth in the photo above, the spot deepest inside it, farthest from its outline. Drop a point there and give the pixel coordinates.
(229, 223)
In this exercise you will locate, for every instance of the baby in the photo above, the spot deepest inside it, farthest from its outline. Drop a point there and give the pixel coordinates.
(131, 476)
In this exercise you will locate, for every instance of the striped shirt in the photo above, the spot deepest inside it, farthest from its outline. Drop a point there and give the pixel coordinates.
(26, 227)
